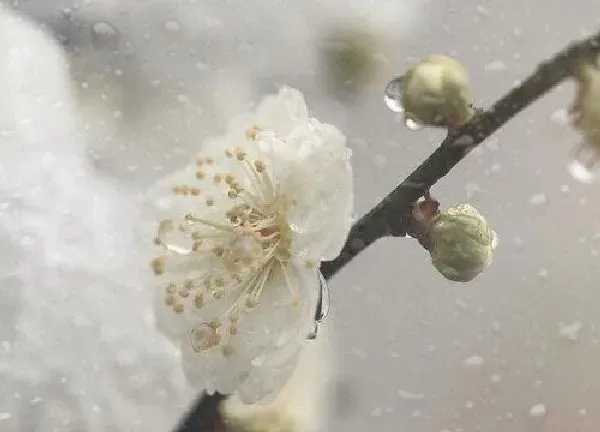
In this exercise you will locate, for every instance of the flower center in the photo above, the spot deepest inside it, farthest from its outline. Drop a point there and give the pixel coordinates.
(231, 258)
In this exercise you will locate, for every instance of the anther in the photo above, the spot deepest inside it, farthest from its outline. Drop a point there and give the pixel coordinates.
(158, 265)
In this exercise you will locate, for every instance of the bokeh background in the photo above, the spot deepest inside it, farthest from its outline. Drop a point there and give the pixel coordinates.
(517, 349)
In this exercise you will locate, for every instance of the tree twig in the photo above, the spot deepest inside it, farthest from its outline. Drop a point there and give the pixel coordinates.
(391, 217)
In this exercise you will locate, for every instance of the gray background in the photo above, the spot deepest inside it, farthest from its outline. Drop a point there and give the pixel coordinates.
(402, 331)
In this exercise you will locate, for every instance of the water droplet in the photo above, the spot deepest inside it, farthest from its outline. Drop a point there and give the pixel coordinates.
(584, 164)
(412, 124)
(203, 337)
(393, 94)
(105, 35)
(538, 410)
(581, 172)
(324, 300)
(495, 240)
(172, 25)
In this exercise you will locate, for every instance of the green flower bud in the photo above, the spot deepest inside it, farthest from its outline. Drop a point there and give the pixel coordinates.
(586, 109)
(351, 57)
(436, 93)
(585, 116)
(462, 243)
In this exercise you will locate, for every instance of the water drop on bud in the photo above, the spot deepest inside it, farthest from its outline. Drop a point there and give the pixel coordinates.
(412, 124)
(583, 167)
(393, 94)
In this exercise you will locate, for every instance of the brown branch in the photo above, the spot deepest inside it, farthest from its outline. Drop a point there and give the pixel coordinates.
(392, 216)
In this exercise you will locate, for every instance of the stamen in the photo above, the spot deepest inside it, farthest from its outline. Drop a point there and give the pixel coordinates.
(194, 218)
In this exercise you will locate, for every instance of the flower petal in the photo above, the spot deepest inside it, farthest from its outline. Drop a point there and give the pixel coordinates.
(260, 358)
(285, 332)
(319, 178)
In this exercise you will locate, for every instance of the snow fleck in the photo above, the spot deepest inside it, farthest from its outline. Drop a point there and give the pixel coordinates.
(543, 273)
(483, 10)
(181, 98)
(560, 116)
(461, 304)
(471, 189)
(4, 416)
(376, 412)
(495, 66)
(495, 379)
(473, 361)
(491, 144)
(495, 168)
(172, 26)
(570, 331)
(358, 353)
(496, 326)
(81, 321)
(538, 410)
(405, 394)
(380, 160)
(537, 199)
(564, 188)
(582, 412)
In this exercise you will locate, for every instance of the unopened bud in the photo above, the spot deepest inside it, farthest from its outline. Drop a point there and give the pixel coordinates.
(462, 243)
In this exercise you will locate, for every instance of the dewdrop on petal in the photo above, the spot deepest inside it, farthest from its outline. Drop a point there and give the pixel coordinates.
(435, 92)
(461, 243)
(585, 116)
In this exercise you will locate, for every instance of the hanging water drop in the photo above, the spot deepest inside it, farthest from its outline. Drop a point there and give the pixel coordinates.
(495, 239)
(204, 337)
(393, 94)
(105, 35)
(412, 124)
(584, 164)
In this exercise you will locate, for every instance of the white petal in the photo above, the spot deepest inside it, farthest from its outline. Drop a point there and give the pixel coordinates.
(278, 113)
(285, 332)
(320, 179)
(263, 354)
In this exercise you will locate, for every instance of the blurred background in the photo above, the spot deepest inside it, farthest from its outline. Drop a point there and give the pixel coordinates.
(517, 349)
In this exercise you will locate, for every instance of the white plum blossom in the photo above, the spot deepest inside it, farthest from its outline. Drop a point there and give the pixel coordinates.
(243, 230)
